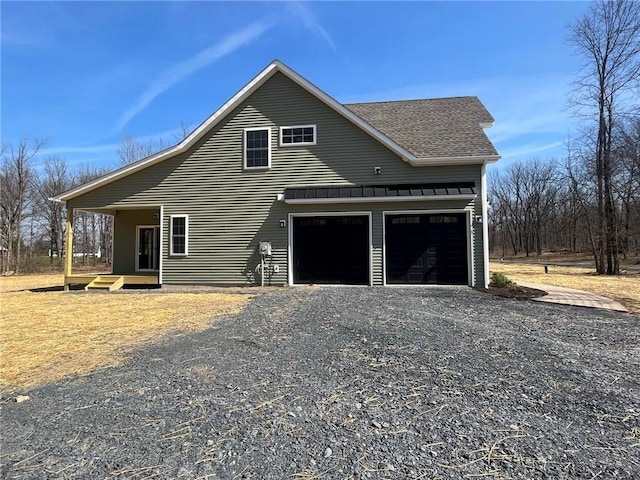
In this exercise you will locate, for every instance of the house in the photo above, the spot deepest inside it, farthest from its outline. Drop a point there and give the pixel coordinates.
(284, 185)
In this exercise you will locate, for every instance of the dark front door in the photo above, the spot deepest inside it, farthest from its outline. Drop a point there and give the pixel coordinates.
(148, 248)
(426, 248)
(331, 250)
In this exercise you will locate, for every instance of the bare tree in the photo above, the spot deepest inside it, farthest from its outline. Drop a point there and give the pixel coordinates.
(608, 39)
(185, 130)
(93, 232)
(54, 179)
(627, 184)
(16, 177)
(131, 150)
(523, 199)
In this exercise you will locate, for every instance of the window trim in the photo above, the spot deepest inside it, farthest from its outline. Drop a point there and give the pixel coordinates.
(244, 148)
(186, 236)
(299, 144)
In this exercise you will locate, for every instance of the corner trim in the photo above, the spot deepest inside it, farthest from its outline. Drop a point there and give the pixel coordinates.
(485, 224)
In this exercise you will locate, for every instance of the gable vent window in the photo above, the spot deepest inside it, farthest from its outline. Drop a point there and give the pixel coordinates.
(257, 147)
(179, 235)
(299, 135)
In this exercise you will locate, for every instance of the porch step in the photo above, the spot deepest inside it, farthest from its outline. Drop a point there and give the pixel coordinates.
(106, 283)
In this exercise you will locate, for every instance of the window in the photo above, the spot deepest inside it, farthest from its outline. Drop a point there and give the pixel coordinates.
(257, 148)
(299, 135)
(443, 219)
(178, 235)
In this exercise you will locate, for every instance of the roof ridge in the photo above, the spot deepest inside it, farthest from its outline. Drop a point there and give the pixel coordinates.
(412, 100)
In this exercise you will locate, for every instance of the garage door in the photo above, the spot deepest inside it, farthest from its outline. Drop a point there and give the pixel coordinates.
(426, 248)
(331, 250)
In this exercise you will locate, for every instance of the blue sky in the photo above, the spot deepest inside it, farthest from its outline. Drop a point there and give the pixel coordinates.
(83, 74)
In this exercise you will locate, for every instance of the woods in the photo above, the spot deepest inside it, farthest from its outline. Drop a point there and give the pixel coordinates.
(541, 205)
(590, 200)
(32, 227)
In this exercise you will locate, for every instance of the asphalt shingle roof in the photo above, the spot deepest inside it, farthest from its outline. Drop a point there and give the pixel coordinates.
(431, 128)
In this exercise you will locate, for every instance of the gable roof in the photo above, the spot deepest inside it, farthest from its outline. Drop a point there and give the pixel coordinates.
(352, 113)
(432, 128)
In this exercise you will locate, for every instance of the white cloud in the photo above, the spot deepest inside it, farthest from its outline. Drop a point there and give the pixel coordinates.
(110, 147)
(28, 39)
(186, 68)
(300, 10)
(529, 149)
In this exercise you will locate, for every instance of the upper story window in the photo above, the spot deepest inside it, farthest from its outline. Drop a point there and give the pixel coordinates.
(298, 135)
(257, 147)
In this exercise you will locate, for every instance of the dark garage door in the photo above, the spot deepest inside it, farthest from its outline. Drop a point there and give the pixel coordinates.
(331, 250)
(426, 248)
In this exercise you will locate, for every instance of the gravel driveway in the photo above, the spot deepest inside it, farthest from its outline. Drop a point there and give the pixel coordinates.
(337, 383)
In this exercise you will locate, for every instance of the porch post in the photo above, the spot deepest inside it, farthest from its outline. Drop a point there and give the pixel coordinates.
(68, 251)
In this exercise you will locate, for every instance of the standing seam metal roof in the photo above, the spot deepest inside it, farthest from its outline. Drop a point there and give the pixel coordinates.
(381, 191)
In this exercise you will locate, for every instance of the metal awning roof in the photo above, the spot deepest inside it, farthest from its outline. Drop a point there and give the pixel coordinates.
(381, 193)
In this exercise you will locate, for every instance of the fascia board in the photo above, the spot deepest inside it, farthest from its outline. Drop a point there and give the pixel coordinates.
(468, 160)
(116, 174)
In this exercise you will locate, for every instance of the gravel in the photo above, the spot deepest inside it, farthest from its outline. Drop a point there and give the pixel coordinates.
(351, 383)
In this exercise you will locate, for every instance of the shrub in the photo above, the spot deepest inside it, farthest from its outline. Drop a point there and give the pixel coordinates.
(500, 280)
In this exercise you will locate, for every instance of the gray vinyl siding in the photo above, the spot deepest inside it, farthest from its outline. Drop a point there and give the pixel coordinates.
(231, 209)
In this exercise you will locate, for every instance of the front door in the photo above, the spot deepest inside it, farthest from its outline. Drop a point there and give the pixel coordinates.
(148, 248)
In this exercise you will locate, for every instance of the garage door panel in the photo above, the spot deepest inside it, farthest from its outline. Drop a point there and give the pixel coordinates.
(426, 248)
(331, 250)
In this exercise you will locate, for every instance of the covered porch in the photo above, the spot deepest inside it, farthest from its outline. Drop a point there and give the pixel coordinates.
(136, 250)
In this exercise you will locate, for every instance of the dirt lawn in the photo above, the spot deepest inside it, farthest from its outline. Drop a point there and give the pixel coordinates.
(623, 288)
(46, 333)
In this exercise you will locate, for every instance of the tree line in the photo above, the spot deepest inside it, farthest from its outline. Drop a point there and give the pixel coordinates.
(589, 201)
(32, 227)
(541, 205)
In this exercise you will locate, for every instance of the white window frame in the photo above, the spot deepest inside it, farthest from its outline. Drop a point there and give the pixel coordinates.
(186, 236)
(244, 148)
(300, 144)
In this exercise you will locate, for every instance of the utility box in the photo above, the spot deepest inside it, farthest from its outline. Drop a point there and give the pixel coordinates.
(265, 248)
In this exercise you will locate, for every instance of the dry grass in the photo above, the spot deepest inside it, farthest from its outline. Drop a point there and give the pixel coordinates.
(45, 336)
(622, 288)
